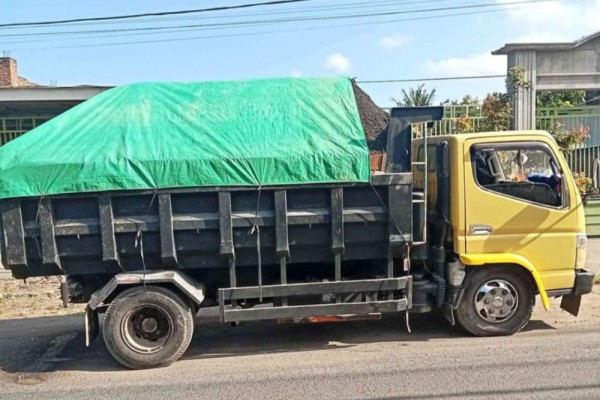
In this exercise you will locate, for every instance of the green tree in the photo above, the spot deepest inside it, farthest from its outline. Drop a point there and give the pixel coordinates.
(467, 100)
(461, 112)
(419, 97)
(496, 107)
(567, 140)
(569, 98)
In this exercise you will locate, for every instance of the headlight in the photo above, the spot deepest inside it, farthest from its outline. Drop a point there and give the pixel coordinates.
(581, 253)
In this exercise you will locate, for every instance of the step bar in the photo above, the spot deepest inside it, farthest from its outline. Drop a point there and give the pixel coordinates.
(371, 288)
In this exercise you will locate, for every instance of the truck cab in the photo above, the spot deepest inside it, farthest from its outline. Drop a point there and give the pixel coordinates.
(515, 224)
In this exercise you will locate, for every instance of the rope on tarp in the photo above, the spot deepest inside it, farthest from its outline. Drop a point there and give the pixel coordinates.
(256, 230)
(139, 239)
(37, 223)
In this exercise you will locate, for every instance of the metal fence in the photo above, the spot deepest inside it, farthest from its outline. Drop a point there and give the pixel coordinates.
(13, 127)
(592, 217)
(581, 159)
(571, 117)
(459, 119)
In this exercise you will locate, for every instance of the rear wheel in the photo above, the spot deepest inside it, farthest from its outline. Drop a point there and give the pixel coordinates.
(498, 301)
(146, 327)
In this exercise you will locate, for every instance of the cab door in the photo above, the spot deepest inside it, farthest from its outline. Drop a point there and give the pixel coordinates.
(517, 202)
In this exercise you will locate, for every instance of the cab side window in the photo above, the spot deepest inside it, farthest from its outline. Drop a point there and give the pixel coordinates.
(526, 171)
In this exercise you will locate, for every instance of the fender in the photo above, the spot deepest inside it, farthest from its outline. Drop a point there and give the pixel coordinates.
(188, 286)
(192, 289)
(509, 258)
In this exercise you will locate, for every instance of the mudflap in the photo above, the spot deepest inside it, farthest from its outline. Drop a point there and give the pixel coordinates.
(92, 325)
(448, 312)
(571, 304)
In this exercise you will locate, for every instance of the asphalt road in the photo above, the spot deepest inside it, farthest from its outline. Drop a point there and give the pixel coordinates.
(556, 357)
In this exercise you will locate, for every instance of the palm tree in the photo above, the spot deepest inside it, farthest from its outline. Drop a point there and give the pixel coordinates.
(419, 97)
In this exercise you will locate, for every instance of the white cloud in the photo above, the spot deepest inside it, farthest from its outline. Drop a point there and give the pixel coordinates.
(551, 21)
(395, 41)
(547, 11)
(474, 64)
(296, 73)
(338, 63)
(559, 20)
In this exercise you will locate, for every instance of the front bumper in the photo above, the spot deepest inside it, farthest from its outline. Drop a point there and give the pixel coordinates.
(584, 283)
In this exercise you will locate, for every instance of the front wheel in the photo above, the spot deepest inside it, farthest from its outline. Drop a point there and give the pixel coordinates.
(497, 301)
(147, 327)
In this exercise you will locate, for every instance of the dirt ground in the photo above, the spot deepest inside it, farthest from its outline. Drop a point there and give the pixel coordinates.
(593, 256)
(34, 298)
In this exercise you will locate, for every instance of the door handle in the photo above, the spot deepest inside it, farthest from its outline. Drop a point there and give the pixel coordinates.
(481, 229)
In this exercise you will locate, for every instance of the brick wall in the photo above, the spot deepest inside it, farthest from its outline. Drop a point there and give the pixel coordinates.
(9, 76)
(8, 72)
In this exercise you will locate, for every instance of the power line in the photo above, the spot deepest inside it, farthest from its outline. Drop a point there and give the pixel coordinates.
(445, 78)
(265, 32)
(71, 35)
(239, 34)
(236, 24)
(231, 23)
(155, 14)
(328, 7)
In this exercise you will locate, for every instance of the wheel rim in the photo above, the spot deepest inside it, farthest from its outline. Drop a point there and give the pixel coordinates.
(146, 329)
(496, 301)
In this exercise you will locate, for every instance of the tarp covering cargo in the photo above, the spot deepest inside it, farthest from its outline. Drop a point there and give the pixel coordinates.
(173, 135)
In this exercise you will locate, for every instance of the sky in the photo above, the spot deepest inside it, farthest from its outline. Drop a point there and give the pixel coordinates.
(383, 47)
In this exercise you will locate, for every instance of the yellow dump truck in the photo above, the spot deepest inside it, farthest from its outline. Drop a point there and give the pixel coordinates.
(262, 202)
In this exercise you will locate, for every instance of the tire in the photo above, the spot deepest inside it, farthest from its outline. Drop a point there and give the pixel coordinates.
(148, 327)
(498, 301)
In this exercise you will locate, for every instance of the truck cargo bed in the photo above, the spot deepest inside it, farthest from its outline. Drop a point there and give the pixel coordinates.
(208, 231)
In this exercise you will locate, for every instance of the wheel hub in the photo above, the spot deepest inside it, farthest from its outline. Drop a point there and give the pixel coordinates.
(496, 301)
(147, 328)
(149, 325)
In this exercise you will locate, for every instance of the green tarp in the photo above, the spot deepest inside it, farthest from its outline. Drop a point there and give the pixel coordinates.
(174, 135)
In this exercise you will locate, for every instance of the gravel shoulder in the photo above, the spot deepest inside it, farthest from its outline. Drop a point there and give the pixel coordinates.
(32, 298)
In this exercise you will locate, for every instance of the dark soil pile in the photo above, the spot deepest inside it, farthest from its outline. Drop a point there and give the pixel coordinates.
(374, 120)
